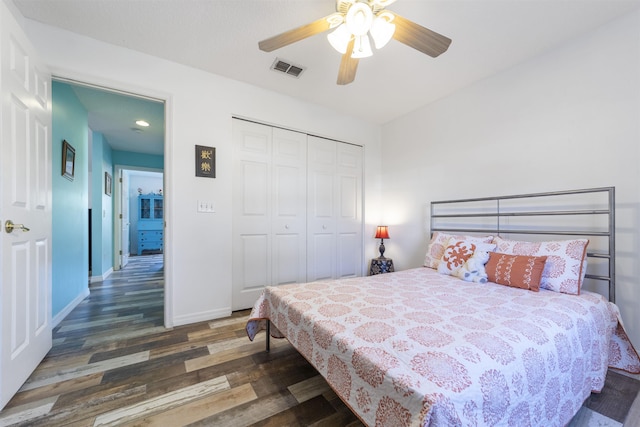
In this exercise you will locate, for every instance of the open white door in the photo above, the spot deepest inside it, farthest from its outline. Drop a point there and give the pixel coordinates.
(25, 199)
(124, 218)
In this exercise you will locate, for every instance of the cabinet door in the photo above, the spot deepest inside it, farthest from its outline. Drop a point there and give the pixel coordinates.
(144, 207)
(158, 206)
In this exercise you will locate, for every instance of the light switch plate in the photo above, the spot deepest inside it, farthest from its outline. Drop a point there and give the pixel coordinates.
(205, 206)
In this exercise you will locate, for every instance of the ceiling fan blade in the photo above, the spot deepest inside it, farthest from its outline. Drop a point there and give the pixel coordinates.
(297, 34)
(419, 37)
(348, 66)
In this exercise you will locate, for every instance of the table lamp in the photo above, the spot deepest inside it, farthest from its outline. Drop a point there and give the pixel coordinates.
(382, 232)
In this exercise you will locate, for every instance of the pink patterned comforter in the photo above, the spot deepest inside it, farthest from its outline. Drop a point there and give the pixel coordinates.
(418, 348)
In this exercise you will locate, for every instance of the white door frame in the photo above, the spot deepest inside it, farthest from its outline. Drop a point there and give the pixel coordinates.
(117, 208)
(73, 77)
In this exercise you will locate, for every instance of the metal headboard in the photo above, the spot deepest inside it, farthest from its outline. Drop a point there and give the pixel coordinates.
(587, 213)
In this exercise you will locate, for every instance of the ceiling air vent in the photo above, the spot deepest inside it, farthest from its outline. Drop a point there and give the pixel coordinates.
(287, 68)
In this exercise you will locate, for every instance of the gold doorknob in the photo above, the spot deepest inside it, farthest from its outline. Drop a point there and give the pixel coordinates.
(9, 226)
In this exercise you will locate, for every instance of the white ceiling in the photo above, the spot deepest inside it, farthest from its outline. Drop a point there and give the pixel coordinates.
(221, 36)
(114, 115)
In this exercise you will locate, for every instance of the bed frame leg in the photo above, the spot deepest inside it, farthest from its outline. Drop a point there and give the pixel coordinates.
(268, 336)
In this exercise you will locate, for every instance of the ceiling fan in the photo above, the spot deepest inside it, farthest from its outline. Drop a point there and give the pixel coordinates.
(353, 22)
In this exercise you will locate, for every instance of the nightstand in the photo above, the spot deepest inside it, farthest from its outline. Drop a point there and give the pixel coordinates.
(380, 266)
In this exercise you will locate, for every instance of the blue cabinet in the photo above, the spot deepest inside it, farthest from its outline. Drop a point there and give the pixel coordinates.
(150, 223)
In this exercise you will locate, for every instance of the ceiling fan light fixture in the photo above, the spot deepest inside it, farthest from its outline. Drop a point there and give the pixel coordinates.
(340, 38)
(362, 47)
(382, 29)
(359, 19)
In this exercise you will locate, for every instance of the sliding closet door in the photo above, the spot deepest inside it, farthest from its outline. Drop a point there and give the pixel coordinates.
(269, 208)
(334, 209)
(321, 209)
(289, 207)
(349, 214)
(251, 210)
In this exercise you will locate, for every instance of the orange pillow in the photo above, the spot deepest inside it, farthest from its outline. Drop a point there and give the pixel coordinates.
(517, 271)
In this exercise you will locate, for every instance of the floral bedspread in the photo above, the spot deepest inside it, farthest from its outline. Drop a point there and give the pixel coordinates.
(416, 348)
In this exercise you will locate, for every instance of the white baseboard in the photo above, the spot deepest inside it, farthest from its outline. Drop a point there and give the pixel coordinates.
(96, 279)
(65, 311)
(203, 316)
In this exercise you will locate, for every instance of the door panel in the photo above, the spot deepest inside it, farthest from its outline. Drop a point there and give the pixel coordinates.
(289, 207)
(335, 209)
(251, 229)
(349, 220)
(321, 265)
(25, 198)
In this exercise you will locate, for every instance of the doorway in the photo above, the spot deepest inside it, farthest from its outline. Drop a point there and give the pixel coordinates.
(126, 131)
(138, 224)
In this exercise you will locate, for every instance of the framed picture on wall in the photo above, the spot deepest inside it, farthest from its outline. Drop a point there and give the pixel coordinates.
(107, 184)
(68, 160)
(205, 161)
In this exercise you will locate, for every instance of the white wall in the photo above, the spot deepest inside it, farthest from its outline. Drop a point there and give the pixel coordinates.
(567, 119)
(199, 110)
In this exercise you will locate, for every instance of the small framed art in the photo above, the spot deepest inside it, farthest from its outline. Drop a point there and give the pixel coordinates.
(68, 160)
(205, 161)
(107, 184)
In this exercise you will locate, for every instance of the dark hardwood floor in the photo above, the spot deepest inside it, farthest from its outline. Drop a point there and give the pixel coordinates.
(114, 363)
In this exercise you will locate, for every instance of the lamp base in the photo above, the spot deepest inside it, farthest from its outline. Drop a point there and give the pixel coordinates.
(381, 249)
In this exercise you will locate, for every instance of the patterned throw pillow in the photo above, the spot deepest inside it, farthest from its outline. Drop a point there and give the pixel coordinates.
(455, 255)
(563, 271)
(517, 271)
(439, 241)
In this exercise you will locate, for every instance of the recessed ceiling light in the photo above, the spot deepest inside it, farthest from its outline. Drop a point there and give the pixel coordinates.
(142, 123)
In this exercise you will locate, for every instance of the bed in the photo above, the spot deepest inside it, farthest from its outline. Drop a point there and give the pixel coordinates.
(423, 348)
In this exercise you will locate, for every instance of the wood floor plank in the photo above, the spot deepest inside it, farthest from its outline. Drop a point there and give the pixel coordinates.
(248, 413)
(198, 409)
(65, 374)
(24, 413)
(162, 403)
(309, 388)
(56, 389)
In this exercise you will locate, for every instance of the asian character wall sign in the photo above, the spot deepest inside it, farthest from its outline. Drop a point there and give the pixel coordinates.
(205, 161)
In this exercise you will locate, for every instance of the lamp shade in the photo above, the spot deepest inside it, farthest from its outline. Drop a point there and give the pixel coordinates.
(382, 30)
(340, 38)
(382, 232)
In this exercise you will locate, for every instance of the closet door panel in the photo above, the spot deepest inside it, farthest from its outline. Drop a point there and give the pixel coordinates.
(348, 260)
(255, 258)
(321, 209)
(289, 201)
(349, 217)
(322, 264)
(252, 239)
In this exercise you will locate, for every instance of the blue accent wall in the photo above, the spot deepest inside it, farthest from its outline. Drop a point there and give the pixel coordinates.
(70, 249)
(101, 207)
